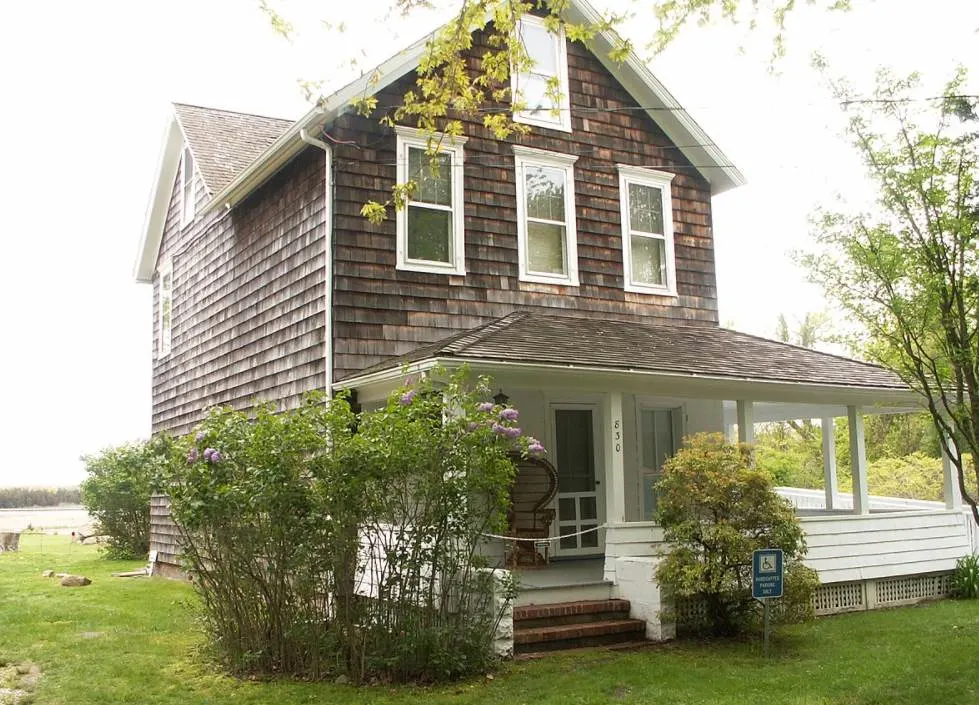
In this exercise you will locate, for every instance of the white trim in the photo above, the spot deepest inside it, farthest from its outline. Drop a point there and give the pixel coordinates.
(188, 206)
(661, 180)
(165, 342)
(523, 157)
(561, 121)
(410, 138)
(168, 164)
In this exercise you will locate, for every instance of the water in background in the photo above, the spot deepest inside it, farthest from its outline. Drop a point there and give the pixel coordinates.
(50, 520)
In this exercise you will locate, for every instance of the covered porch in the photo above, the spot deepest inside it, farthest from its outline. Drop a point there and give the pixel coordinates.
(611, 401)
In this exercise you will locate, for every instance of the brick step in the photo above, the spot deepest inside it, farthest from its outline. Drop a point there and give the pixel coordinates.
(560, 613)
(567, 636)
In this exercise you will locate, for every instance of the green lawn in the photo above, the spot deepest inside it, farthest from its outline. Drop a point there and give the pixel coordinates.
(132, 640)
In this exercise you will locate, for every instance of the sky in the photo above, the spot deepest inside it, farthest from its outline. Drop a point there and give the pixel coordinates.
(86, 90)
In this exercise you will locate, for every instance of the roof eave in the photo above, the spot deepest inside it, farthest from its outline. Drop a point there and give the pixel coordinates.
(159, 201)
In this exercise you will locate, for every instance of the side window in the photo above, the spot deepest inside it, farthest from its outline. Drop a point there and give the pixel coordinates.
(187, 200)
(542, 88)
(647, 231)
(431, 227)
(546, 232)
(166, 308)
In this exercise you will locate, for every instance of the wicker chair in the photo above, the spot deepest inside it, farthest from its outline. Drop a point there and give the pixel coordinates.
(530, 517)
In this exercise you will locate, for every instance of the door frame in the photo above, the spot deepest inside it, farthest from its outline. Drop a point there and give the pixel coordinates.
(593, 404)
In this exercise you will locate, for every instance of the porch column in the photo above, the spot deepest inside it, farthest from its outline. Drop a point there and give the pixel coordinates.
(614, 460)
(746, 421)
(829, 462)
(858, 460)
(953, 494)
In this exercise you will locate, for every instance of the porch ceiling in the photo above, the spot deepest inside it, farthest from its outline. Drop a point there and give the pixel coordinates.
(702, 360)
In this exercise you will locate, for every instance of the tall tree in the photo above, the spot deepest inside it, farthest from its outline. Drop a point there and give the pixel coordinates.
(907, 272)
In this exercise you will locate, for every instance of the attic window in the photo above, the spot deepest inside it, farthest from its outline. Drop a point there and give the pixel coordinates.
(430, 228)
(166, 308)
(187, 199)
(543, 87)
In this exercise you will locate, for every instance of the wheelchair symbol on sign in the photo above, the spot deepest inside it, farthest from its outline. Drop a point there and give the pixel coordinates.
(767, 564)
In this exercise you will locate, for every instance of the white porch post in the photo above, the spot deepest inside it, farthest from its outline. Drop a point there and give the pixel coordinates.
(614, 460)
(953, 495)
(829, 462)
(746, 421)
(858, 460)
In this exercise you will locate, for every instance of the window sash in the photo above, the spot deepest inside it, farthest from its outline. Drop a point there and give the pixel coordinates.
(549, 114)
(166, 309)
(661, 182)
(526, 160)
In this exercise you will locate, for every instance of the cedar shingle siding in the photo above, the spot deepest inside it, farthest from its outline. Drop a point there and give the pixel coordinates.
(248, 321)
(380, 312)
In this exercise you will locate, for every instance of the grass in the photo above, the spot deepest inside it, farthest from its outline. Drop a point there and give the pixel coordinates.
(133, 640)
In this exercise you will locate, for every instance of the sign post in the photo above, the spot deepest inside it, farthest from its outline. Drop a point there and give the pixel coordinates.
(766, 580)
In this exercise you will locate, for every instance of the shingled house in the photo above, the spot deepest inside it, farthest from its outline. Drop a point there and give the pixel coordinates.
(574, 264)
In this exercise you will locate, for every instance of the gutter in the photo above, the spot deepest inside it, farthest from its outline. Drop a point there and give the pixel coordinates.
(327, 254)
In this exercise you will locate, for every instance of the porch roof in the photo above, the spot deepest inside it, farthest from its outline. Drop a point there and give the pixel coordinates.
(687, 350)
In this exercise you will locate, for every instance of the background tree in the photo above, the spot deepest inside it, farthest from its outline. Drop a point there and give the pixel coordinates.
(907, 272)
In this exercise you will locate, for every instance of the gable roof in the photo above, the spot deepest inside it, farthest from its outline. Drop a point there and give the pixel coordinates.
(234, 168)
(689, 350)
(632, 73)
(223, 144)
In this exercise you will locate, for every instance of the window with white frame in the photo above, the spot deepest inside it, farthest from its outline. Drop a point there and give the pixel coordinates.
(166, 308)
(431, 227)
(542, 88)
(546, 233)
(647, 230)
(188, 203)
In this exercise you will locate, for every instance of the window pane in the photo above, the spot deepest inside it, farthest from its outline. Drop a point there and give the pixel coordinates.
(429, 234)
(545, 248)
(589, 540)
(541, 47)
(534, 95)
(649, 497)
(569, 541)
(645, 209)
(545, 192)
(565, 509)
(166, 313)
(165, 284)
(589, 508)
(648, 260)
(575, 453)
(434, 180)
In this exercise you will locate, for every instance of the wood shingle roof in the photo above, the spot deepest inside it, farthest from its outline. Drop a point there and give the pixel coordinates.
(697, 351)
(224, 143)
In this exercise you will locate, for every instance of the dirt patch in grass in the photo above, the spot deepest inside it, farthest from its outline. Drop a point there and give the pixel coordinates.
(18, 682)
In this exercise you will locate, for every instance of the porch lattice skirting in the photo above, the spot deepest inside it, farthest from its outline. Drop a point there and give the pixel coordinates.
(837, 598)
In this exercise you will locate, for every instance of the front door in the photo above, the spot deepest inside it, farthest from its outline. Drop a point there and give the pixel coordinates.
(581, 501)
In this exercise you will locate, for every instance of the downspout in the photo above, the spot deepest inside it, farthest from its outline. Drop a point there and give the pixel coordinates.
(328, 254)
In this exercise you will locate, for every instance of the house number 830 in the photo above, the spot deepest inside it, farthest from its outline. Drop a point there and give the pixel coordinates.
(617, 433)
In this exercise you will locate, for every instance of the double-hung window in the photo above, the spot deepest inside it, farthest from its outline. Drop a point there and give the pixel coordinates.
(187, 196)
(542, 88)
(647, 230)
(431, 226)
(166, 308)
(546, 234)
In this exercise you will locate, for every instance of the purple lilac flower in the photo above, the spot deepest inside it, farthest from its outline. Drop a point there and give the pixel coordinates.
(192, 456)
(498, 429)
(485, 406)
(215, 457)
(534, 446)
(208, 452)
(407, 397)
(201, 436)
(512, 432)
(510, 414)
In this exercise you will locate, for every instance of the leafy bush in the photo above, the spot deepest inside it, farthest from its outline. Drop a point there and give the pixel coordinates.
(716, 509)
(325, 542)
(117, 494)
(965, 580)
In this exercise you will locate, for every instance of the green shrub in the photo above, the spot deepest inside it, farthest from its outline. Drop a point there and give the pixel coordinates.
(117, 494)
(965, 580)
(324, 542)
(716, 509)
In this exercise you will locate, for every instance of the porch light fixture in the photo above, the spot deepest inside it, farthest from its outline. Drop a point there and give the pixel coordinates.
(500, 398)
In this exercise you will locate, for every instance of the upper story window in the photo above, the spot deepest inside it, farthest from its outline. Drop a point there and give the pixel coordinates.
(188, 204)
(546, 233)
(166, 308)
(647, 230)
(431, 227)
(542, 88)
